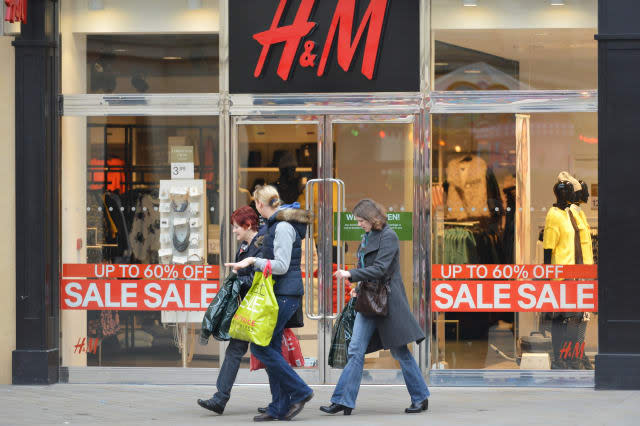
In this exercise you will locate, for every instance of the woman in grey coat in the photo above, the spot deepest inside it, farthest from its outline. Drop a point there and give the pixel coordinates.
(378, 258)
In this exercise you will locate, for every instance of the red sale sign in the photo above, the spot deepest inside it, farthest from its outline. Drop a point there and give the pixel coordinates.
(143, 295)
(514, 296)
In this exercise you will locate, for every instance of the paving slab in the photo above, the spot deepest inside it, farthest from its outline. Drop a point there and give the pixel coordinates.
(73, 404)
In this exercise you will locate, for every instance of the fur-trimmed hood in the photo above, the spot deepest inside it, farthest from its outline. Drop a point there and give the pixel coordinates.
(294, 215)
(298, 218)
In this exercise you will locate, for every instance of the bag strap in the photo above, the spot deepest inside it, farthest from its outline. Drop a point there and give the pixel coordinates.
(267, 269)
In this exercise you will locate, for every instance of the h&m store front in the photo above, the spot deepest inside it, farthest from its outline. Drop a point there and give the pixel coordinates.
(458, 117)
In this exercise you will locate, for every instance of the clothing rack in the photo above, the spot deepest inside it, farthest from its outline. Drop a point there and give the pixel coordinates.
(467, 223)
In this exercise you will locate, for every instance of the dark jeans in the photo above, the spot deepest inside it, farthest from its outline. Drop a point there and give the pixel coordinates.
(286, 386)
(229, 370)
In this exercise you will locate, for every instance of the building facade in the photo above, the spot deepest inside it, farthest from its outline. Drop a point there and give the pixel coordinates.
(465, 119)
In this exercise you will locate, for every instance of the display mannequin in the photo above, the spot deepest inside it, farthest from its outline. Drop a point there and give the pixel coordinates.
(582, 197)
(562, 246)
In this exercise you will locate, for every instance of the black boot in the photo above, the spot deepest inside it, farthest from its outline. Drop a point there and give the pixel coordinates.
(418, 408)
(336, 408)
(264, 418)
(295, 409)
(211, 405)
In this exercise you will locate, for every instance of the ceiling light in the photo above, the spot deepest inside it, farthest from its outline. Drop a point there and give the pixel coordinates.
(457, 148)
(119, 50)
(470, 3)
(194, 4)
(557, 3)
(441, 64)
(172, 58)
(96, 4)
(472, 71)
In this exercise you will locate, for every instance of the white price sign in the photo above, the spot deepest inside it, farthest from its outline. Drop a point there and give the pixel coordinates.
(181, 170)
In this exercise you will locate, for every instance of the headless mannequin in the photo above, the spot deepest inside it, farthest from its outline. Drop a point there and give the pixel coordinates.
(568, 328)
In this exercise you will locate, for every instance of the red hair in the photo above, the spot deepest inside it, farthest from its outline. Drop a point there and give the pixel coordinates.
(245, 217)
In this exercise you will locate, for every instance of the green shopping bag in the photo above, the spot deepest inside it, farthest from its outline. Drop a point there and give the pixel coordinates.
(257, 315)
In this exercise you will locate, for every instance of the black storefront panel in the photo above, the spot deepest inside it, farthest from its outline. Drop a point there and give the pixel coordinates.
(296, 46)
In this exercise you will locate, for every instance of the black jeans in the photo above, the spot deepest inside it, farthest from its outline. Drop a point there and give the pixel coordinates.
(229, 370)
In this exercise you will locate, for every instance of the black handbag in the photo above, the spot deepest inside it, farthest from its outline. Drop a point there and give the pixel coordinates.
(297, 320)
(373, 299)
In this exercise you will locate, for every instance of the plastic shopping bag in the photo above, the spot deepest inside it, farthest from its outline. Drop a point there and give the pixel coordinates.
(290, 351)
(215, 322)
(341, 335)
(257, 315)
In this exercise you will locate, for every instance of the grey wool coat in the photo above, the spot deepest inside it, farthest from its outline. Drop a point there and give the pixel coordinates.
(381, 258)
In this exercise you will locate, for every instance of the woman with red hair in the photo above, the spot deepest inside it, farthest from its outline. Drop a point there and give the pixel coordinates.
(244, 222)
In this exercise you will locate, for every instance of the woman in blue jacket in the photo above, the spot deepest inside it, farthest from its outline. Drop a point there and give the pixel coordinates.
(282, 246)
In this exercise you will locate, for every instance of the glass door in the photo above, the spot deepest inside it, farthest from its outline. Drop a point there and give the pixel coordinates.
(371, 156)
(286, 153)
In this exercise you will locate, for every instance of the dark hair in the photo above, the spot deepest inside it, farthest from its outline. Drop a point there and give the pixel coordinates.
(372, 212)
(245, 217)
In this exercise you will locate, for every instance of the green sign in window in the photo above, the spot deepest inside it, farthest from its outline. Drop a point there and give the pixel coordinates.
(401, 222)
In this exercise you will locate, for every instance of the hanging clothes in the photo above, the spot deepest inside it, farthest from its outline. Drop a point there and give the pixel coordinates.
(585, 234)
(509, 234)
(114, 211)
(145, 229)
(459, 246)
(472, 190)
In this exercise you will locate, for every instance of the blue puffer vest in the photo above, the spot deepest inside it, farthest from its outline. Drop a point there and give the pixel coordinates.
(289, 283)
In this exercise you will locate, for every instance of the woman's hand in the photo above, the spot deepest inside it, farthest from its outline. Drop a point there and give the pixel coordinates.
(354, 293)
(242, 264)
(341, 273)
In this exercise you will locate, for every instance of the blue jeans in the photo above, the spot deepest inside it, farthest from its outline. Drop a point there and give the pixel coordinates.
(229, 370)
(348, 385)
(287, 387)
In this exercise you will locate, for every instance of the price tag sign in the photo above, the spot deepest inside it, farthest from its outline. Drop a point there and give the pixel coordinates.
(181, 158)
(181, 170)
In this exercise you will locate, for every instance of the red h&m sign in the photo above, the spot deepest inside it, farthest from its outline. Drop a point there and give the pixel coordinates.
(342, 23)
(284, 46)
(16, 11)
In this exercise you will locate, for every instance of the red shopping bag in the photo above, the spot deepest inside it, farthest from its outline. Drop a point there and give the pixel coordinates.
(290, 351)
(294, 353)
(347, 289)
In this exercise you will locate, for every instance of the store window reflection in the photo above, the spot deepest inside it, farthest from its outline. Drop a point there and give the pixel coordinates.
(493, 193)
(514, 45)
(164, 63)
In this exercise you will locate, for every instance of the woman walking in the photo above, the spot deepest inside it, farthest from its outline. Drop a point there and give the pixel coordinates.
(282, 246)
(378, 261)
(244, 222)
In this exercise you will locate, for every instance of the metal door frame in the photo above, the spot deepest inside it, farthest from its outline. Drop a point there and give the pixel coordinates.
(309, 375)
(421, 238)
(323, 374)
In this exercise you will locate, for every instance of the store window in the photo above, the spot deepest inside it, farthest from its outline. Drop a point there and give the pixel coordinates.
(165, 63)
(128, 195)
(140, 191)
(119, 46)
(514, 45)
(497, 201)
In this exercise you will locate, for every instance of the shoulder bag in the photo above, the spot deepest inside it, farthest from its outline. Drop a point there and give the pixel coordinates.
(373, 298)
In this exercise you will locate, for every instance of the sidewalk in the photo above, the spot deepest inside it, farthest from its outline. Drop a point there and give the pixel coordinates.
(377, 405)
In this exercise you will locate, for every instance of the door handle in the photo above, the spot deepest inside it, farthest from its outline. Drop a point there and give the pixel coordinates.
(340, 253)
(308, 257)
